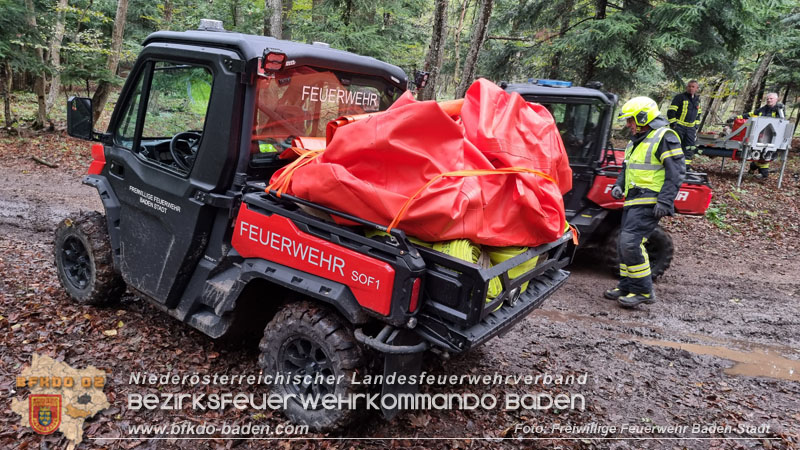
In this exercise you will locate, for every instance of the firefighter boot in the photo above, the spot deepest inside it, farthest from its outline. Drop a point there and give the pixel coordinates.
(633, 300)
(614, 294)
(753, 168)
(763, 173)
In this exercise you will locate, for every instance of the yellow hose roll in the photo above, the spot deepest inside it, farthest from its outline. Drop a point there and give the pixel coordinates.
(500, 254)
(465, 250)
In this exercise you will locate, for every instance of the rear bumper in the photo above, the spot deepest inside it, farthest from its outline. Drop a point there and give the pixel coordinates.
(456, 339)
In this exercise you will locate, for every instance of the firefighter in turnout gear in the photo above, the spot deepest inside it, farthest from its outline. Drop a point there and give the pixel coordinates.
(651, 175)
(771, 109)
(684, 117)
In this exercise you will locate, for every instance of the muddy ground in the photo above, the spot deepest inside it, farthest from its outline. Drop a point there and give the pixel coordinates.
(721, 347)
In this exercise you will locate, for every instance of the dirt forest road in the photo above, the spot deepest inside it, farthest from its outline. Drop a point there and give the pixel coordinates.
(721, 347)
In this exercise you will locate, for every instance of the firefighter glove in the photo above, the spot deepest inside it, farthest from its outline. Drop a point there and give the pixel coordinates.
(616, 192)
(660, 210)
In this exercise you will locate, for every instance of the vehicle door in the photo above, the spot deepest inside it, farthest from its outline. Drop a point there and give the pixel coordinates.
(173, 144)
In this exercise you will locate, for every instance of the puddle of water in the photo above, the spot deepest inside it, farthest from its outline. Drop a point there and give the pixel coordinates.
(561, 316)
(751, 364)
(758, 361)
(765, 348)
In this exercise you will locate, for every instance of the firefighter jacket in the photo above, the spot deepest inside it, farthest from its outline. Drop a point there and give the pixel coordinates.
(654, 167)
(766, 110)
(684, 110)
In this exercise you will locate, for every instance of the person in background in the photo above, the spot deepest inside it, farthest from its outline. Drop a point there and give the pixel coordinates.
(771, 109)
(651, 175)
(684, 117)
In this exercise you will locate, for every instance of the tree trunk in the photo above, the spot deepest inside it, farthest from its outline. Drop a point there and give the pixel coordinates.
(797, 121)
(478, 37)
(317, 17)
(39, 84)
(457, 39)
(55, 54)
(6, 85)
(273, 25)
(760, 93)
(168, 8)
(713, 104)
(348, 11)
(433, 61)
(104, 88)
(591, 60)
(236, 14)
(287, 25)
(745, 101)
(555, 61)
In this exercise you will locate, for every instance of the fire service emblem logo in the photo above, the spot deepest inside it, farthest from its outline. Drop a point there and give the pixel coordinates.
(44, 412)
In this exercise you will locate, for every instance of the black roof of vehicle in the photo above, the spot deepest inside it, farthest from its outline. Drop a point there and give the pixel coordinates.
(251, 46)
(524, 89)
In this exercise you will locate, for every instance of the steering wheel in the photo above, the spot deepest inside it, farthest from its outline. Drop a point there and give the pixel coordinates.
(183, 148)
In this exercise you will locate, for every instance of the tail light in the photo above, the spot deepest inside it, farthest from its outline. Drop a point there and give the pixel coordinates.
(412, 305)
(98, 159)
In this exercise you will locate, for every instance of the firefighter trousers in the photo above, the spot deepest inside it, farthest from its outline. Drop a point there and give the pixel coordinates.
(760, 166)
(688, 137)
(638, 223)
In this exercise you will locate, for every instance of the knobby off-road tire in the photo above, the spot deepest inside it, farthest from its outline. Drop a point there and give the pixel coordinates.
(84, 261)
(659, 249)
(308, 338)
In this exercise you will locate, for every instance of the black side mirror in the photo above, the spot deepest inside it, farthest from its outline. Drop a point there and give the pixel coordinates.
(79, 118)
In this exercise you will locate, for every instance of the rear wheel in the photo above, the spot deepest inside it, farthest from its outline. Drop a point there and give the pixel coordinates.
(659, 249)
(84, 262)
(308, 339)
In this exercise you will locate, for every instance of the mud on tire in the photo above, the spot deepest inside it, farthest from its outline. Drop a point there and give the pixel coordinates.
(307, 338)
(659, 249)
(84, 262)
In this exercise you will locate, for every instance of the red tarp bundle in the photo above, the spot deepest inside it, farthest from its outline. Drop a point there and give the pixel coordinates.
(373, 166)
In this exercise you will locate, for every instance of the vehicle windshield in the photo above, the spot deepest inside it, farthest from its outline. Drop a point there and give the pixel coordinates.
(301, 101)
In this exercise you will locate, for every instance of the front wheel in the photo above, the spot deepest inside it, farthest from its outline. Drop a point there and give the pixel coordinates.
(313, 342)
(659, 249)
(84, 262)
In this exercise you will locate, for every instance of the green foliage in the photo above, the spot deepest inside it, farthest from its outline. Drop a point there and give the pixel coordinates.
(632, 46)
(716, 215)
(391, 31)
(18, 41)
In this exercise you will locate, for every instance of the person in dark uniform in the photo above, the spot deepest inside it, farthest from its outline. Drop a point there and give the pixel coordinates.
(771, 109)
(684, 117)
(651, 175)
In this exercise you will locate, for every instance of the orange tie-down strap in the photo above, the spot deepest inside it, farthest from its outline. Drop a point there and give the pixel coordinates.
(452, 107)
(282, 182)
(462, 173)
(574, 234)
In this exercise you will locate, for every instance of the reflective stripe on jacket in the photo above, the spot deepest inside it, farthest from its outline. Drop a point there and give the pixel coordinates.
(685, 110)
(643, 169)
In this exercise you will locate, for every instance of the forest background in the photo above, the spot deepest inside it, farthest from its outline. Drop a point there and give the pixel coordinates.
(737, 49)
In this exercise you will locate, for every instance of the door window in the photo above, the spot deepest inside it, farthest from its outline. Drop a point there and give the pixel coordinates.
(176, 105)
(126, 129)
(579, 125)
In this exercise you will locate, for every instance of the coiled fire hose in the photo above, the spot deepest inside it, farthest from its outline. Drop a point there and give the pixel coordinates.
(500, 254)
(465, 250)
